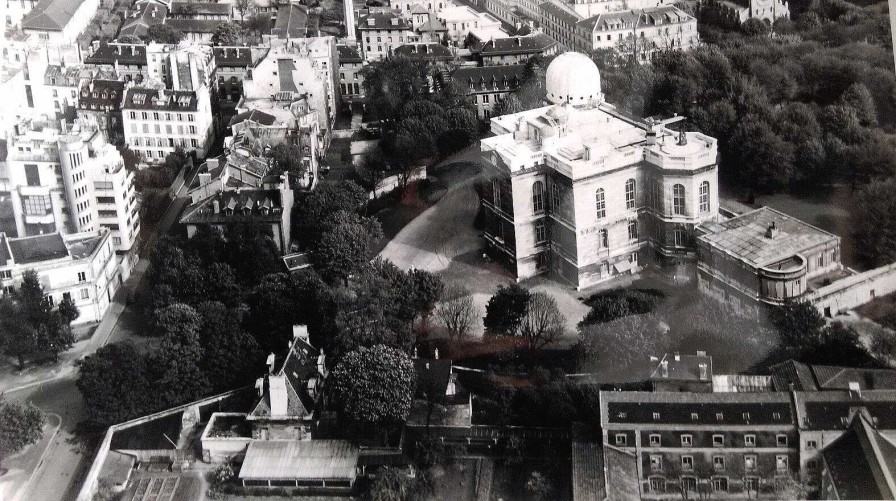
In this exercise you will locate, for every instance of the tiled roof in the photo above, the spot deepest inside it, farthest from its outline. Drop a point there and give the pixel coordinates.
(37, 248)
(516, 45)
(5, 251)
(587, 464)
(654, 16)
(194, 25)
(146, 15)
(432, 25)
(201, 8)
(383, 21)
(830, 414)
(139, 98)
(831, 377)
(432, 376)
(428, 51)
(717, 409)
(236, 207)
(240, 57)
(793, 373)
(104, 93)
(349, 54)
(292, 22)
(507, 77)
(744, 237)
(123, 53)
(860, 462)
(295, 459)
(557, 10)
(50, 15)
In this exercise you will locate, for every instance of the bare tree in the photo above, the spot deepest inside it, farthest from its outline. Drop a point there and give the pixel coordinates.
(883, 345)
(242, 6)
(456, 310)
(543, 323)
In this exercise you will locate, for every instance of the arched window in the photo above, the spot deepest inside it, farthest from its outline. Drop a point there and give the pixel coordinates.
(704, 196)
(600, 203)
(630, 194)
(678, 200)
(633, 229)
(538, 197)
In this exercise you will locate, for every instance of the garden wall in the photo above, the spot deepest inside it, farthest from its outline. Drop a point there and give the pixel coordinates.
(854, 291)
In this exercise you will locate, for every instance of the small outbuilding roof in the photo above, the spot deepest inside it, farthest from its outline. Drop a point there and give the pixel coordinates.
(295, 460)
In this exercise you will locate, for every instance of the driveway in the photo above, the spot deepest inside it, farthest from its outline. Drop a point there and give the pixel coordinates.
(443, 240)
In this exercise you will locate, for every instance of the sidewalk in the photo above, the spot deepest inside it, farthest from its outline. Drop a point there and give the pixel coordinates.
(15, 482)
(34, 374)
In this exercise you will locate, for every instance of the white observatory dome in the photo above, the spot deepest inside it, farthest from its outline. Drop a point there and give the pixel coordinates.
(573, 78)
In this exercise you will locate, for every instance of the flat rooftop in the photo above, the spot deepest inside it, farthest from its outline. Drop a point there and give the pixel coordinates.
(293, 459)
(745, 237)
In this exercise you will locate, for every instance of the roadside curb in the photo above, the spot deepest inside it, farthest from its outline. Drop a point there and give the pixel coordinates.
(43, 457)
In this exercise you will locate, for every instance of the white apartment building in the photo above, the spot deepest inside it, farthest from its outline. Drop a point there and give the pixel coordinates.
(157, 121)
(71, 181)
(180, 67)
(586, 192)
(81, 266)
(379, 33)
(16, 11)
(59, 21)
(657, 28)
(300, 68)
(461, 20)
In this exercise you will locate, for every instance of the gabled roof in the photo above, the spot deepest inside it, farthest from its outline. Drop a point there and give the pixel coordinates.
(138, 22)
(653, 16)
(507, 77)
(38, 248)
(123, 53)
(383, 21)
(794, 373)
(250, 205)
(529, 44)
(303, 363)
(50, 15)
(860, 462)
(557, 10)
(687, 408)
(419, 9)
(201, 8)
(101, 93)
(295, 459)
(194, 25)
(141, 98)
(425, 51)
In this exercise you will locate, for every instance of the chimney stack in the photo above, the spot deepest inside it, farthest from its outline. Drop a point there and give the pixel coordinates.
(270, 363)
(772, 231)
(664, 368)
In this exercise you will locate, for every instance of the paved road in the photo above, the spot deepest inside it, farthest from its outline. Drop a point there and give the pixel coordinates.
(59, 477)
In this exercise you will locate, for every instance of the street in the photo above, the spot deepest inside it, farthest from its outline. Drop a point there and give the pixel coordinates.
(59, 476)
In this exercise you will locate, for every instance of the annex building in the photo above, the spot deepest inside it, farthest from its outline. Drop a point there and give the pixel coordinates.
(581, 190)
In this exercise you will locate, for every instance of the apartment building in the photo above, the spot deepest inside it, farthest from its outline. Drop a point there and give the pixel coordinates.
(351, 81)
(58, 21)
(128, 60)
(591, 194)
(99, 105)
(514, 50)
(306, 68)
(379, 33)
(487, 86)
(157, 121)
(654, 28)
(71, 181)
(79, 266)
(232, 65)
(461, 20)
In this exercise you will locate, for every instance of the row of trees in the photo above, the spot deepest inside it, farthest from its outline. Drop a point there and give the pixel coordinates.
(29, 325)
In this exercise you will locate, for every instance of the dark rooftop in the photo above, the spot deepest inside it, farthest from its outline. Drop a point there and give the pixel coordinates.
(253, 115)
(50, 15)
(529, 44)
(859, 462)
(425, 51)
(123, 53)
(194, 25)
(383, 21)
(805, 377)
(140, 98)
(506, 77)
(99, 94)
(348, 54)
(200, 8)
(38, 248)
(236, 207)
(718, 409)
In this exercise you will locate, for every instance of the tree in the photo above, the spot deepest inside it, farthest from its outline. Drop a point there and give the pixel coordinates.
(413, 142)
(314, 208)
(20, 425)
(177, 320)
(228, 33)
(242, 6)
(68, 313)
(756, 27)
(342, 251)
(115, 384)
(392, 484)
(259, 23)
(163, 33)
(390, 84)
(51, 334)
(874, 221)
(428, 289)
(542, 323)
(373, 169)
(799, 324)
(19, 338)
(374, 386)
(859, 98)
(287, 158)
(272, 312)
(177, 374)
(231, 356)
(505, 310)
(883, 345)
(457, 311)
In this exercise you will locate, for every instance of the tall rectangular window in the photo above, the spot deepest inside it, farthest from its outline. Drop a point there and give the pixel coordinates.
(704, 197)
(31, 175)
(555, 197)
(633, 229)
(540, 232)
(600, 202)
(630, 194)
(678, 206)
(538, 197)
(603, 239)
